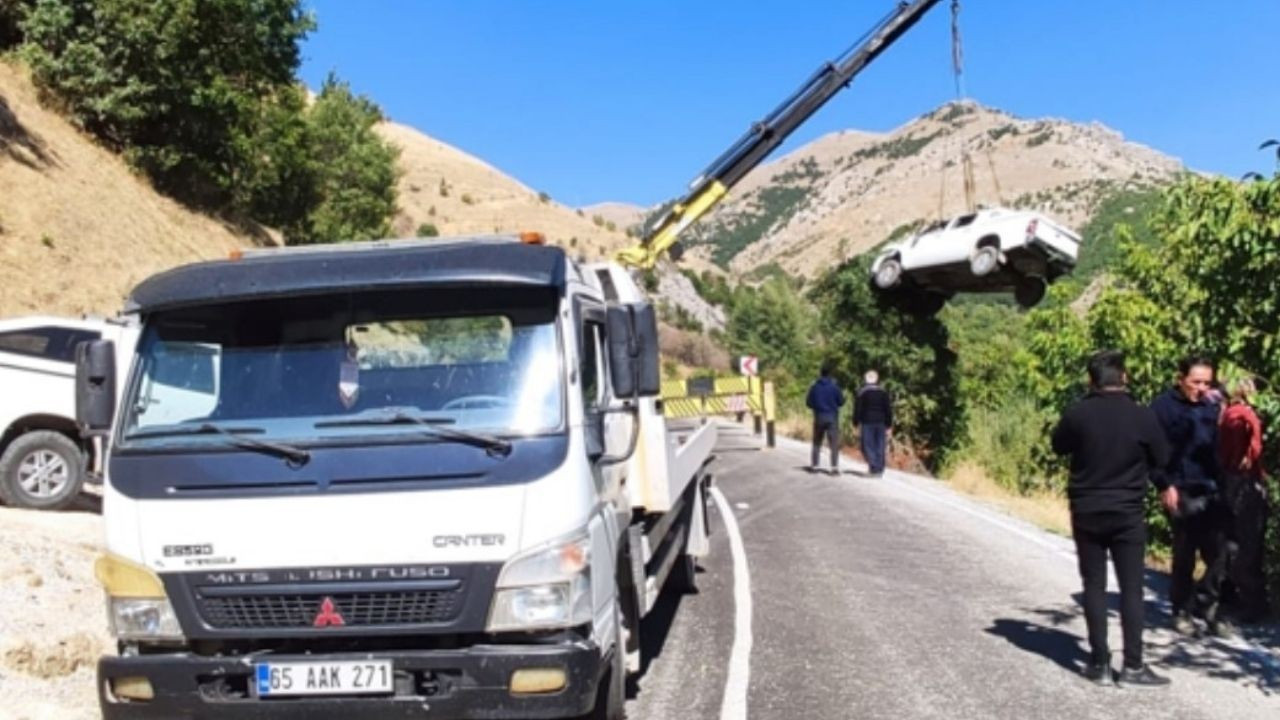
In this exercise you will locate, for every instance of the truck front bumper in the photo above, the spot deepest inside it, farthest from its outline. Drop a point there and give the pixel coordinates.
(437, 684)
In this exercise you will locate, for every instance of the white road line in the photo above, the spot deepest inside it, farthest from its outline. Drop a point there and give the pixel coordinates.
(734, 704)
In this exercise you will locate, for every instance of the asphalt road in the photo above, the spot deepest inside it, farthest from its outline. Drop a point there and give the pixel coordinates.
(897, 598)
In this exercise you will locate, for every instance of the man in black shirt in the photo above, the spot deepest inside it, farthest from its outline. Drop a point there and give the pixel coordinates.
(873, 417)
(1115, 445)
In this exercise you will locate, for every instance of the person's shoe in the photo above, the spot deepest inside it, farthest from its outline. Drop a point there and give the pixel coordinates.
(811, 469)
(1222, 629)
(1099, 673)
(1183, 624)
(1143, 677)
(834, 471)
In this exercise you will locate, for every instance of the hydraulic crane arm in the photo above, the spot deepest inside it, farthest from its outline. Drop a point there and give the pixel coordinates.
(765, 136)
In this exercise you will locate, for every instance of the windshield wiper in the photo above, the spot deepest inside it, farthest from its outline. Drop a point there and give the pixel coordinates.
(238, 436)
(495, 446)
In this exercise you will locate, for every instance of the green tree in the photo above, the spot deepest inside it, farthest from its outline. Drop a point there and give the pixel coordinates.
(11, 15)
(172, 83)
(281, 186)
(911, 352)
(357, 185)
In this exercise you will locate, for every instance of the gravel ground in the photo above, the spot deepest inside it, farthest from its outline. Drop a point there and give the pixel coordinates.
(52, 623)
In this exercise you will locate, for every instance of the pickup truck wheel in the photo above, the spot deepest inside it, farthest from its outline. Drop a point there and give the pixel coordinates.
(41, 470)
(611, 695)
(889, 274)
(1030, 291)
(984, 260)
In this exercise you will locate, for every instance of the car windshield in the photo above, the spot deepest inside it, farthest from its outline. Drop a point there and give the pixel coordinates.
(327, 369)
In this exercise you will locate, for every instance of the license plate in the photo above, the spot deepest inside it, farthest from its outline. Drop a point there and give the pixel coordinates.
(346, 677)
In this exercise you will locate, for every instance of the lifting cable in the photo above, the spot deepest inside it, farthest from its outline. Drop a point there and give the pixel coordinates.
(966, 160)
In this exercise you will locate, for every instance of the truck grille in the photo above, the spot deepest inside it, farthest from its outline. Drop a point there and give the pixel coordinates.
(250, 612)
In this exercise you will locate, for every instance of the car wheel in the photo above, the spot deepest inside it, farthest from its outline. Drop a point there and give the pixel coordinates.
(611, 694)
(889, 274)
(1030, 291)
(985, 260)
(41, 470)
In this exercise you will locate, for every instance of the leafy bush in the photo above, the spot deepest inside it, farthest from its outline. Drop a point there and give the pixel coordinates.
(912, 353)
(1210, 283)
(155, 80)
(427, 230)
(357, 178)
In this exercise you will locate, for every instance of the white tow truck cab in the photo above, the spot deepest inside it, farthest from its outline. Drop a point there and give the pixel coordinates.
(390, 479)
(43, 460)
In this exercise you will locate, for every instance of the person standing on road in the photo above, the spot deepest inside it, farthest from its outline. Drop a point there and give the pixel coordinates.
(873, 420)
(1114, 445)
(825, 399)
(1245, 495)
(1199, 517)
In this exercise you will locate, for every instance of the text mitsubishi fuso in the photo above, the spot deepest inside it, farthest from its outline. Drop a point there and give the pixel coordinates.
(394, 479)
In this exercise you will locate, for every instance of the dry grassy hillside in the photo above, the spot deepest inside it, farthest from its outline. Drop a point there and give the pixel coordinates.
(623, 215)
(460, 194)
(77, 228)
(847, 192)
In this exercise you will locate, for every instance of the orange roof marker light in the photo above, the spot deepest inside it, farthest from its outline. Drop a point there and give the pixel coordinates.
(529, 237)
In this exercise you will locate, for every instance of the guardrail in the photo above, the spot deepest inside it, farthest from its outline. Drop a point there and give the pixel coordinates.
(733, 395)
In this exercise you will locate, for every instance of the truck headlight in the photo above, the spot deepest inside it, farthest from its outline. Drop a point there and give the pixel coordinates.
(144, 619)
(547, 587)
(137, 606)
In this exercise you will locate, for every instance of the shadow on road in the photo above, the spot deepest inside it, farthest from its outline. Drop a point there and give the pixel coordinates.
(653, 634)
(1064, 648)
(1248, 660)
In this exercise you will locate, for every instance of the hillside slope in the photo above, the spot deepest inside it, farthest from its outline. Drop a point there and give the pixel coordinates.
(77, 228)
(460, 194)
(847, 192)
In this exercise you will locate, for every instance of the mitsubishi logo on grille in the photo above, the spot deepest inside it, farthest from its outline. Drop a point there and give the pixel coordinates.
(328, 615)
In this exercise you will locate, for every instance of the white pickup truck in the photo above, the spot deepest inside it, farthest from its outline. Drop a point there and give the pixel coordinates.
(392, 479)
(991, 250)
(43, 460)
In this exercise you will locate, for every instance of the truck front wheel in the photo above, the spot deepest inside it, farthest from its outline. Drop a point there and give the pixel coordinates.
(41, 470)
(611, 695)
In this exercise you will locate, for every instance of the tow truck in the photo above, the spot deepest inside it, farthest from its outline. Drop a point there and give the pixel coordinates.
(402, 478)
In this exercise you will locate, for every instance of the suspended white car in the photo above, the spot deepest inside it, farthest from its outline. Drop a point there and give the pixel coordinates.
(992, 250)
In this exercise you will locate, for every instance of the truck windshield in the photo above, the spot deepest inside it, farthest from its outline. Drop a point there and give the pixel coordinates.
(313, 370)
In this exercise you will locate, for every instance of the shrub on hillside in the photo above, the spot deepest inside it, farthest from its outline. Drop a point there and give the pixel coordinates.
(153, 79)
(427, 230)
(357, 170)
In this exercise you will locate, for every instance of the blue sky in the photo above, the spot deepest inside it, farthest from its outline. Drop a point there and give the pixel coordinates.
(606, 100)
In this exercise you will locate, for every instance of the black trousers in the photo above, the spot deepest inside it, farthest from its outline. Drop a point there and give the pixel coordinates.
(828, 429)
(1205, 533)
(1124, 536)
(1247, 506)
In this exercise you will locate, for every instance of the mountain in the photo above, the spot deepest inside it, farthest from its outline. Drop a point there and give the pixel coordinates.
(848, 192)
(460, 194)
(623, 215)
(77, 227)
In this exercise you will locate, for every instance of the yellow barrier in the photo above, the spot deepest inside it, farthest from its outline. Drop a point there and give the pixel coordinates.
(732, 395)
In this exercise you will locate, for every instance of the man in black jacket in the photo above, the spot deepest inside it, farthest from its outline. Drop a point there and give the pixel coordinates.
(1189, 416)
(873, 418)
(1115, 446)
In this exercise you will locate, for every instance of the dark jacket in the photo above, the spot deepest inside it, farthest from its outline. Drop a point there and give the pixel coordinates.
(1115, 445)
(825, 399)
(873, 406)
(1192, 432)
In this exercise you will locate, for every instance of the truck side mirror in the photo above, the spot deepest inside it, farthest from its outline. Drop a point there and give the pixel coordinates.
(634, 364)
(95, 386)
